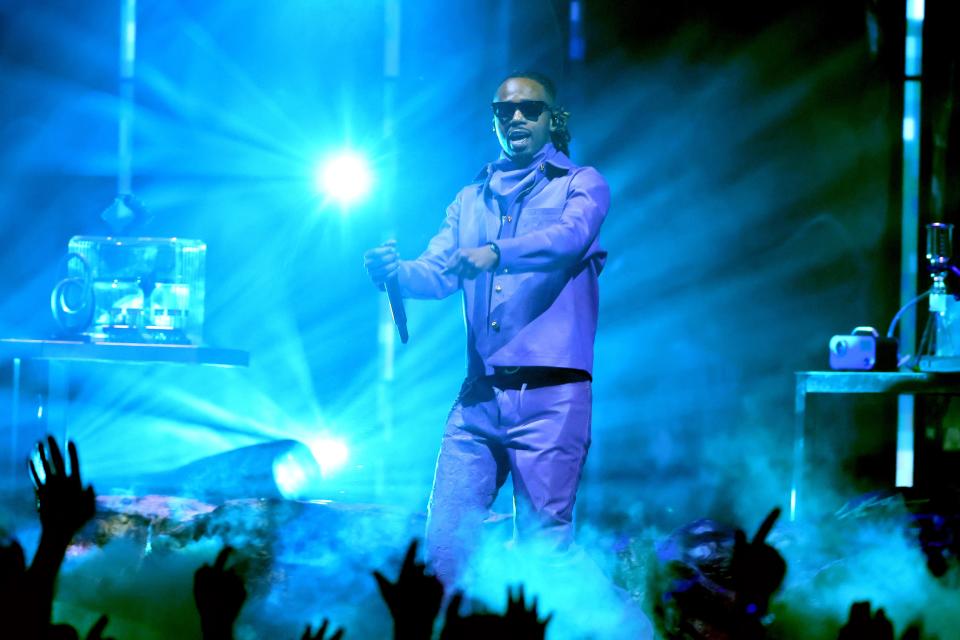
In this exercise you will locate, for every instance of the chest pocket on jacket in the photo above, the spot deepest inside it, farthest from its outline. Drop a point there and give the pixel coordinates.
(534, 219)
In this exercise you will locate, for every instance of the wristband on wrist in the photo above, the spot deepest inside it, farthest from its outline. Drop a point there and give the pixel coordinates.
(493, 247)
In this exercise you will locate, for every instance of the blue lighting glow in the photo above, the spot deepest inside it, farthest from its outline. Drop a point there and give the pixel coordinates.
(249, 116)
(297, 474)
(291, 478)
(909, 128)
(344, 178)
(916, 10)
(330, 453)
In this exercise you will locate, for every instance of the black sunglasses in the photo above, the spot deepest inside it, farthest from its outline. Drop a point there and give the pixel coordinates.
(531, 109)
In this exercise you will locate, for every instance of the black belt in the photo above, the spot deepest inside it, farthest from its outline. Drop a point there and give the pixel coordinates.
(534, 377)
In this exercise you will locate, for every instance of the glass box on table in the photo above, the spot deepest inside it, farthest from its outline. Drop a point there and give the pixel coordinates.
(144, 289)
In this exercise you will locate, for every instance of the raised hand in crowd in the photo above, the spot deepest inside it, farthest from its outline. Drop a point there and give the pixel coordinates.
(757, 569)
(862, 625)
(67, 632)
(477, 626)
(64, 506)
(454, 625)
(518, 623)
(19, 617)
(61, 632)
(414, 599)
(219, 593)
(913, 632)
(521, 622)
(96, 631)
(321, 633)
(13, 575)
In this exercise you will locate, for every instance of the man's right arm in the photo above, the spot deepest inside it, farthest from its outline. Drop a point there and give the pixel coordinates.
(425, 277)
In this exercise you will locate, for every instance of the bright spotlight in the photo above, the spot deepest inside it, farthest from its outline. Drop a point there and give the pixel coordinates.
(344, 177)
(294, 479)
(330, 453)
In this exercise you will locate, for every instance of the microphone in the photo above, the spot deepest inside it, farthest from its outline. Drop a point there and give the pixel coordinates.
(396, 307)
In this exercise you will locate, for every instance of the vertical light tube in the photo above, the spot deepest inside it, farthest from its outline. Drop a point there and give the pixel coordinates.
(128, 53)
(387, 333)
(391, 73)
(909, 225)
(577, 47)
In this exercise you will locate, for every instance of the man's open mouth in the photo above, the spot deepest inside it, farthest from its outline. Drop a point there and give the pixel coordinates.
(518, 134)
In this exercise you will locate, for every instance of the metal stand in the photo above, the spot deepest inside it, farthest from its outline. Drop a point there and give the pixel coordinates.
(906, 385)
(59, 353)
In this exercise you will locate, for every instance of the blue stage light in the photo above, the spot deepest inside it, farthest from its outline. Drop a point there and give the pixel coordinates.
(344, 178)
(330, 453)
(293, 478)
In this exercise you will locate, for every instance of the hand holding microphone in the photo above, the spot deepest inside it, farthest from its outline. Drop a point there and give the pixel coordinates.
(382, 264)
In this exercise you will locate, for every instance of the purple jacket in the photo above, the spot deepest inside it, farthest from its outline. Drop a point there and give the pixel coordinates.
(539, 308)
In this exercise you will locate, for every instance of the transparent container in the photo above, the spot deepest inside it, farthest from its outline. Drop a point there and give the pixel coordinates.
(144, 289)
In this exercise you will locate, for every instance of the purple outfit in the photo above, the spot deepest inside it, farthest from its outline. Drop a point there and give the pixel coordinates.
(525, 405)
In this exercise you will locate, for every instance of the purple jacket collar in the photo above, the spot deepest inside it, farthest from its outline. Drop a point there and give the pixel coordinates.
(557, 161)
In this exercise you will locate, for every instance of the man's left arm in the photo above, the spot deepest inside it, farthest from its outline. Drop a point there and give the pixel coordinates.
(566, 242)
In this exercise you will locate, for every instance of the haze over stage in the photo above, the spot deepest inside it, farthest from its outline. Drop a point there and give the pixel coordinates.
(755, 159)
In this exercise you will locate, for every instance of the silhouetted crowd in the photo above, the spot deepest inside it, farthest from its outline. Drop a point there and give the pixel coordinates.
(698, 594)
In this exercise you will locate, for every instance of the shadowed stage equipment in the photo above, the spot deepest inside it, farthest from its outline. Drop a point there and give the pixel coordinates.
(939, 348)
(277, 469)
(863, 350)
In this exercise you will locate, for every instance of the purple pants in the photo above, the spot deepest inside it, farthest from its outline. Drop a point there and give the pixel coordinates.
(539, 434)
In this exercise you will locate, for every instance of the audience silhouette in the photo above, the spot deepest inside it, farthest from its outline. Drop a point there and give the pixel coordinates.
(219, 593)
(64, 507)
(712, 582)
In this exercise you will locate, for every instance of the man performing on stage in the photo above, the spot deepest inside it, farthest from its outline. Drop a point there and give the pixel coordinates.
(521, 242)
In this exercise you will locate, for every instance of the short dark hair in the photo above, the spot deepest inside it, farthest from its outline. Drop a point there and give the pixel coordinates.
(536, 76)
(560, 136)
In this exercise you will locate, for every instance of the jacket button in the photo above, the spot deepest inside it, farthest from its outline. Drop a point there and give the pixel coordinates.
(498, 288)
(495, 325)
(509, 218)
